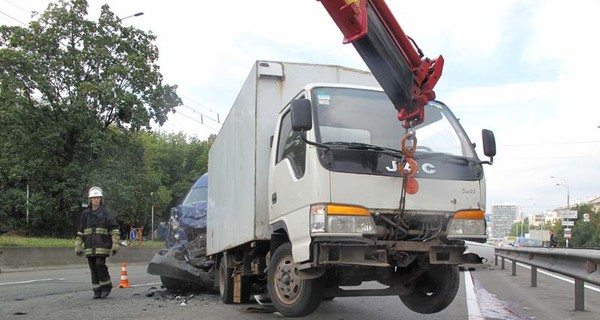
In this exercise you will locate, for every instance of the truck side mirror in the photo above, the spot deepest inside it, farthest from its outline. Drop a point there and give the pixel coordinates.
(489, 143)
(301, 115)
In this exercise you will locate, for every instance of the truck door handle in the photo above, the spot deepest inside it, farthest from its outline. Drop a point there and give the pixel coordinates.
(274, 198)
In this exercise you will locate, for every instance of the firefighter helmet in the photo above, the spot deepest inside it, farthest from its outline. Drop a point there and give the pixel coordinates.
(95, 192)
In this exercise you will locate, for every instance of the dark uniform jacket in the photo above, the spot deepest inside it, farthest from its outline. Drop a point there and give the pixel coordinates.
(96, 231)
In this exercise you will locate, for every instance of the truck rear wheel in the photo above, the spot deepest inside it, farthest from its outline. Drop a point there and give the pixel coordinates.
(226, 283)
(290, 295)
(434, 290)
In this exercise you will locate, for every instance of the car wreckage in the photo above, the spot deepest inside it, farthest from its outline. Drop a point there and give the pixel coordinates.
(183, 264)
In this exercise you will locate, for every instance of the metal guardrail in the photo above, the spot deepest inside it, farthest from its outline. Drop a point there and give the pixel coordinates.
(579, 264)
(28, 258)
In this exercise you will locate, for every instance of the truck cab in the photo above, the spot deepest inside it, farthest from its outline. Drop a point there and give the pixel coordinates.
(336, 196)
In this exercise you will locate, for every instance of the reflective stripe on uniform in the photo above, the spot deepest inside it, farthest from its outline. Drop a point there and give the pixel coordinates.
(93, 251)
(89, 231)
(105, 283)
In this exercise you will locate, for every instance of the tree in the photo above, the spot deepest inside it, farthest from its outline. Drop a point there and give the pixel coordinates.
(520, 228)
(585, 234)
(66, 84)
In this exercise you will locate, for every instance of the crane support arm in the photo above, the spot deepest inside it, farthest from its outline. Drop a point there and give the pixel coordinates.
(406, 77)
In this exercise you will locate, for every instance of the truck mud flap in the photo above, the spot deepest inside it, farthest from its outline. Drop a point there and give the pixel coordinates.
(164, 263)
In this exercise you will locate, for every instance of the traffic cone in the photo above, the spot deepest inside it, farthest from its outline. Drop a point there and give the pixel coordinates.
(124, 281)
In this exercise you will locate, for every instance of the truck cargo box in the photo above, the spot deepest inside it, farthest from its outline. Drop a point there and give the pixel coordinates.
(238, 203)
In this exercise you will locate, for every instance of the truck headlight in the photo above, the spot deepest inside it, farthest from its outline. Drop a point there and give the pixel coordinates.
(467, 223)
(341, 219)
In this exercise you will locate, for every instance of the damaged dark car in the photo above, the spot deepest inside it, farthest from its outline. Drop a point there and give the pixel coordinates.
(183, 265)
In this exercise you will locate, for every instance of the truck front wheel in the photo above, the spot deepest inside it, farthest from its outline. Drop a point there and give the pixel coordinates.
(290, 295)
(434, 290)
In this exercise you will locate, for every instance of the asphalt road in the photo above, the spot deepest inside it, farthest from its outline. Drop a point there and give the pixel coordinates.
(488, 294)
(500, 295)
(66, 294)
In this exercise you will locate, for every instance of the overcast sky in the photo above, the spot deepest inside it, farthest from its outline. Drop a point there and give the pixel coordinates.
(527, 70)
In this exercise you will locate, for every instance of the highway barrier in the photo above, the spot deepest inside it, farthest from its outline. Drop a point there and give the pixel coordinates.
(31, 258)
(579, 264)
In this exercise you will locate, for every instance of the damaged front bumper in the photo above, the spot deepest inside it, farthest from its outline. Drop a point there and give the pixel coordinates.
(165, 263)
(381, 253)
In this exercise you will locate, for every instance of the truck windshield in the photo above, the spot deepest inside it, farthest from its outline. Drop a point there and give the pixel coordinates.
(350, 115)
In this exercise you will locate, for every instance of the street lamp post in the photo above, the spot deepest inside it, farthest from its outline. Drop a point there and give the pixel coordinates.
(566, 185)
(133, 15)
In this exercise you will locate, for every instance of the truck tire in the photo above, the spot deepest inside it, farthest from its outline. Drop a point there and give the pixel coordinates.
(226, 283)
(291, 296)
(434, 290)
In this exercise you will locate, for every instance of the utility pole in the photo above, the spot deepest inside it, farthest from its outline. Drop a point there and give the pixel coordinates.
(566, 185)
(152, 228)
(27, 205)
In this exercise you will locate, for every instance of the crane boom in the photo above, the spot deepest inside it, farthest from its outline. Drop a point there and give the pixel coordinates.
(406, 77)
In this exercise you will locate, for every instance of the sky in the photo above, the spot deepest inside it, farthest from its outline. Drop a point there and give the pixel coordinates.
(522, 68)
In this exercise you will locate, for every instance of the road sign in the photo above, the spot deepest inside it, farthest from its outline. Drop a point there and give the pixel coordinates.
(133, 234)
(568, 223)
(586, 217)
(567, 214)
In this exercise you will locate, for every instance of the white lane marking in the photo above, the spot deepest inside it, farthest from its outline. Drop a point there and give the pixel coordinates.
(31, 281)
(145, 284)
(473, 309)
(558, 277)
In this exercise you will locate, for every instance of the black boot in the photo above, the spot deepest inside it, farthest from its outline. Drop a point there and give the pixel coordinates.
(105, 292)
(97, 294)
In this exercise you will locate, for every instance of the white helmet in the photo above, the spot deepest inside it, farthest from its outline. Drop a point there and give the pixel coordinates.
(95, 192)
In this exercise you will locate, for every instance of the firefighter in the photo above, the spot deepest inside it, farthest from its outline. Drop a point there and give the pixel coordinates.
(97, 237)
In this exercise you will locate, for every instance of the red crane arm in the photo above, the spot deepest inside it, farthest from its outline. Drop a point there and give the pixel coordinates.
(406, 77)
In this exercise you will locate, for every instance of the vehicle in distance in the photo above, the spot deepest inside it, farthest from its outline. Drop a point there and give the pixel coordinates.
(527, 242)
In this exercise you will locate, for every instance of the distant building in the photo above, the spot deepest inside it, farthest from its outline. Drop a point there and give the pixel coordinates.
(595, 202)
(503, 217)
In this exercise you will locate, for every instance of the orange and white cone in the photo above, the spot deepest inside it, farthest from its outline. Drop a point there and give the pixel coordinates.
(124, 281)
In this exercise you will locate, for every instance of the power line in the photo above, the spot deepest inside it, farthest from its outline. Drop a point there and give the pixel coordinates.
(546, 143)
(199, 104)
(14, 5)
(202, 115)
(17, 20)
(196, 120)
(554, 158)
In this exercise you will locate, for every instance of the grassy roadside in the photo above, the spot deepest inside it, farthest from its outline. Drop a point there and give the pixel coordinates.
(12, 241)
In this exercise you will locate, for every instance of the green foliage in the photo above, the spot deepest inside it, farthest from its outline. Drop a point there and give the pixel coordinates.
(585, 234)
(77, 100)
(11, 241)
(519, 228)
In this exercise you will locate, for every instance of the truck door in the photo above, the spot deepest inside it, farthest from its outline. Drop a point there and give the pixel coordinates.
(287, 186)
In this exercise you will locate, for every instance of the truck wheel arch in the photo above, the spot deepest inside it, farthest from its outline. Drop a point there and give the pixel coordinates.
(279, 235)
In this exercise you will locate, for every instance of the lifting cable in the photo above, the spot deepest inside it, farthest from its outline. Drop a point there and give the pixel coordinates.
(408, 168)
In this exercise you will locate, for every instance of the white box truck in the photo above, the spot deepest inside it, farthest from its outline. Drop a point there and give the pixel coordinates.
(306, 199)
